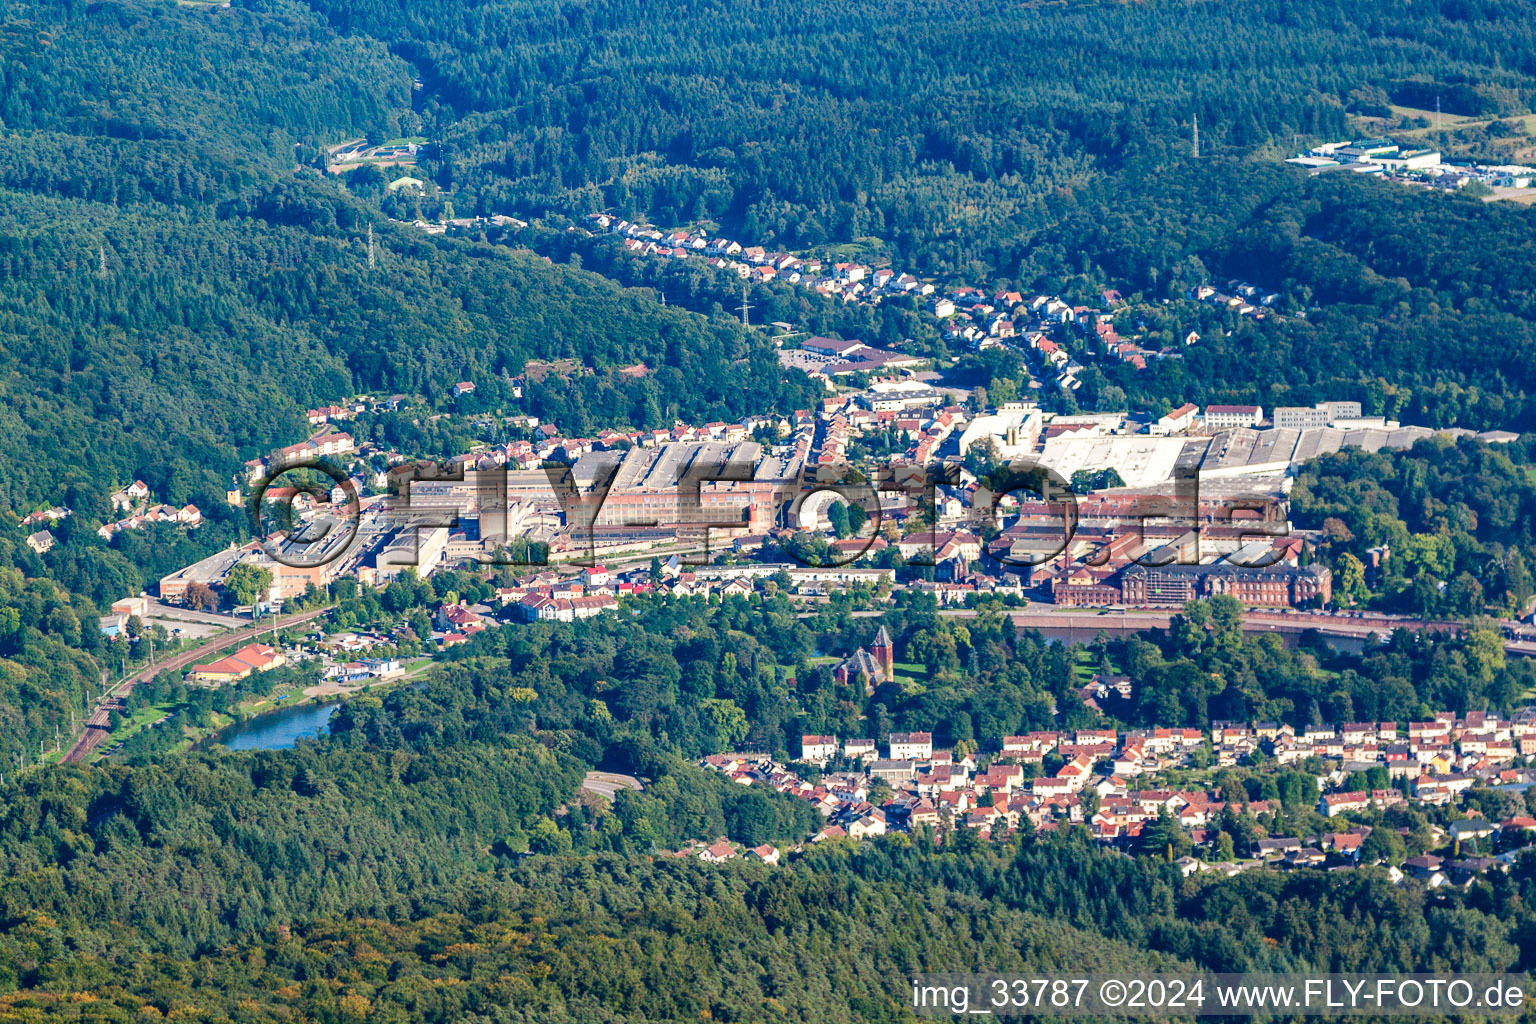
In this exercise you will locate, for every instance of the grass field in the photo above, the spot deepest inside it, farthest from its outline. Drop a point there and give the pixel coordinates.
(1519, 150)
(285, 697)
(1446, 120)
(141, 719)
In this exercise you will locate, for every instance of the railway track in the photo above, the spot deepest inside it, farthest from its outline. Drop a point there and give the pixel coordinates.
(96, 730)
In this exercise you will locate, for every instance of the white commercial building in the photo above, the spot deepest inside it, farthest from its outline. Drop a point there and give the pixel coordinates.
(1228, 417)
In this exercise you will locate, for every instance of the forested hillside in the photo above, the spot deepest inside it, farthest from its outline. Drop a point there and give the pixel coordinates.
(1041, 147)
(172, 298)
(1461, 513)
(174, 294)
(207, 338)
(183, 273)
(165, 270)
(955, 134)
(1402, 320)
(429, 860)
(832, 939)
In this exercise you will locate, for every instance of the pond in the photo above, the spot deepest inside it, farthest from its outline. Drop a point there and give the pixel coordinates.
(278, 730)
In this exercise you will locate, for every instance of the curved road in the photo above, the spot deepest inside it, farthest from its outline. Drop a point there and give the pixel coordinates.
(95, 732)
(608, 784)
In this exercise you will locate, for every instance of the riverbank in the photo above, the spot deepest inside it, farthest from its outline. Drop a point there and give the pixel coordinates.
(278, 730)
(95, 734)
(283, 700)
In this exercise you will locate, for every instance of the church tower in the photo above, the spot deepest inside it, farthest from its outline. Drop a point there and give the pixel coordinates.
(885, 653)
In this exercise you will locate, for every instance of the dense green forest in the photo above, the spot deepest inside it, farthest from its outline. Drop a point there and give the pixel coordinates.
(952, 134)
(829, 939)
(206, 338)
(1446, 528)
(1419, 304)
